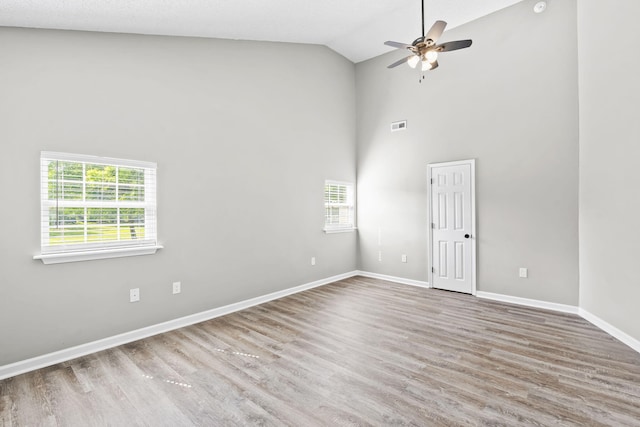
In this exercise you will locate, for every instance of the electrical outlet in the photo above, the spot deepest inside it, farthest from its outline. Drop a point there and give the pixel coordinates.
(134, 295)
(380, 256)
(177, 287)
(313, 260)
(404, 258)
(524, 272)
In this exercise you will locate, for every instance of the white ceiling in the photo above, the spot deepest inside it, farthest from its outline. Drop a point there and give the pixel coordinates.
(353, 28)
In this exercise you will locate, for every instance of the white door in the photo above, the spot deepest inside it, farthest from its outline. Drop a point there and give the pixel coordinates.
(453, 226)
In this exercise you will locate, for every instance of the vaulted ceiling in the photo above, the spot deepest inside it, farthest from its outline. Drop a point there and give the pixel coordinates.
(354, 28)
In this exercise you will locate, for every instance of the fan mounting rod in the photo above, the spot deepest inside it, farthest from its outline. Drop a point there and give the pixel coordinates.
(423, 18)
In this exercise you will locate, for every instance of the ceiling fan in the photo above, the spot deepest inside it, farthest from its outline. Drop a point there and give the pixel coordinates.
(424, 49)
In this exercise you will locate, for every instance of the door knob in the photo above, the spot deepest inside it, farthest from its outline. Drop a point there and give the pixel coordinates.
(466, 236)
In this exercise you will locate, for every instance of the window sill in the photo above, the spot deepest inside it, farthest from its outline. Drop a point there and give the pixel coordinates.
(100, 254)
(339, 230)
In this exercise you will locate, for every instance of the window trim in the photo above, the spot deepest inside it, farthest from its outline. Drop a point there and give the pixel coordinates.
(331, 229)
(75, 256)
(339, 230)
(99, 250)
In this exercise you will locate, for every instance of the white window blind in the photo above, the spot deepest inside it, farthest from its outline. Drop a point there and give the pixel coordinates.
(339, 206)
(91, 203)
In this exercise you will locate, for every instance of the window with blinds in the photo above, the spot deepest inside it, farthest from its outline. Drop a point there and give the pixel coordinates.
(93, 203)
(339, 206)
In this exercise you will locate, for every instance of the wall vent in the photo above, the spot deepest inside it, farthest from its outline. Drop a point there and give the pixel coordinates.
(396, 126)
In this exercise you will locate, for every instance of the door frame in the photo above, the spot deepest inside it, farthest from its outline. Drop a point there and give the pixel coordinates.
(430, 167)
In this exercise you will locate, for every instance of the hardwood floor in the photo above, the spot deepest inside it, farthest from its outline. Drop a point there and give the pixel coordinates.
(356, 352)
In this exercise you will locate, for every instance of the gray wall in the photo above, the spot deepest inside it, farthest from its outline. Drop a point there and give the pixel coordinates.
(245, 123)
(244, 135)
(509, 101)
(609, 153)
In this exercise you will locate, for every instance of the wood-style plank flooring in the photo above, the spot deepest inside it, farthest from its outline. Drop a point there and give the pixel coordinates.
(356, 352)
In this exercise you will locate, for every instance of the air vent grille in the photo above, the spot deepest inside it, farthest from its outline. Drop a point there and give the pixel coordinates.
(396, 126)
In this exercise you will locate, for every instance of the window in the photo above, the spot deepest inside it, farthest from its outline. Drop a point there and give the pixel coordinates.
(95, 207)
(339, 209)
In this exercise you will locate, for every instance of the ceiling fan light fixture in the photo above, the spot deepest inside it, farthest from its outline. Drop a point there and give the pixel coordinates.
(413, 61)
(425, 49)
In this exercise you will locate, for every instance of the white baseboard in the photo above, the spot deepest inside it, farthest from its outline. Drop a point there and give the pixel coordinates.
(596, 321)
(401, 280)
(43, 361)
(611, 330)
(49, 359)
(564, 308)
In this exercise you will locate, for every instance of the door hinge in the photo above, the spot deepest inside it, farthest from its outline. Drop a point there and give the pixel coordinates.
(433, 270)
(431, 180)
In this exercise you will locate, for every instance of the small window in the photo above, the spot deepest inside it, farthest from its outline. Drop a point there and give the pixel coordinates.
(95, 205)
(339, 207)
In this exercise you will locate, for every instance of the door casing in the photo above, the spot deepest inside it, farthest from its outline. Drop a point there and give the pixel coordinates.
(430, 167)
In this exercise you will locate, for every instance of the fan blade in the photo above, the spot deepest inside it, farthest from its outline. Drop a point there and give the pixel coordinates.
(436, 31)
(397, 45)
(399, 62)
(434, 65)
(449, 46)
